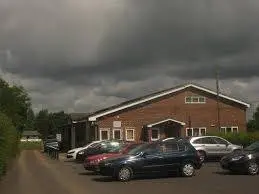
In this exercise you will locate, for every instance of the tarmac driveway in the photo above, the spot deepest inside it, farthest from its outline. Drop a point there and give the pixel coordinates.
(36, 174)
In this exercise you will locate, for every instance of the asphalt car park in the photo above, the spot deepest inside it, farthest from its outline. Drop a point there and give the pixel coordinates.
(37, 173)
(211, 178)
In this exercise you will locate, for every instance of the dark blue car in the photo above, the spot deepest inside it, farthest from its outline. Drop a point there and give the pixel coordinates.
(158, 157)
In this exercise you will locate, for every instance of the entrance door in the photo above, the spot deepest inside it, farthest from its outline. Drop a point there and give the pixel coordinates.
(172, 131)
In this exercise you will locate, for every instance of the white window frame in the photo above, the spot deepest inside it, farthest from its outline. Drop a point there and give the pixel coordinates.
(100, 133)
(195, 102)
(232, 127)
(158, 134)
(200, 128)
(113, 133)
(126, 137)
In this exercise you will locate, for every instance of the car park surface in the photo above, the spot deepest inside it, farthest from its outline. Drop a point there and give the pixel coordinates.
(35, 172)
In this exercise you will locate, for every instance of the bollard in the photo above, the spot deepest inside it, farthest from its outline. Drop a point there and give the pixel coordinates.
(53, 152)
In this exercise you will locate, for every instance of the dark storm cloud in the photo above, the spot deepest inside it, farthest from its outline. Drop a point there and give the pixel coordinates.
(133, 40)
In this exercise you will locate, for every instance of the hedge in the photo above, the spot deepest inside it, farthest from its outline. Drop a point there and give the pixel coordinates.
(242, 138)
(8, 142)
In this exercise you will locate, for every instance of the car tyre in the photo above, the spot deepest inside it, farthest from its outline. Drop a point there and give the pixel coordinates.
(253, 168)
(236, 151)
(203, 156)
(188, 169)
(124, 174)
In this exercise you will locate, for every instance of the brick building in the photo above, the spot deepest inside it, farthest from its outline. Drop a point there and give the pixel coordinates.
(186, 110)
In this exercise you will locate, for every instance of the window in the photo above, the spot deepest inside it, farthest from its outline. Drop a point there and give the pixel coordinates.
(208, 140)
(153, 149)
(222, 129)
(195, 100)
(201, 100)
(155, 134)
(117, 134)
(202, 131)
(130, 134)
(234, 129)
(188, 132)
(197, 131)
(188, 99)
(104, 134)
(197, 141)
(170, 147)
(229, 129)
(220, 140)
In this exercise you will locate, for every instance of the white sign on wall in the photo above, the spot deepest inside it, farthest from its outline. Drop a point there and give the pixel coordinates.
(58, 137)
(116, 123)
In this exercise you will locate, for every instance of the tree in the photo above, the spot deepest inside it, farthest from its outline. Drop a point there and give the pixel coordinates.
(47, 123)
(42, 123)
(8, 142)
(30, 123)
(14, 103)
(57, 119)
(253, 125)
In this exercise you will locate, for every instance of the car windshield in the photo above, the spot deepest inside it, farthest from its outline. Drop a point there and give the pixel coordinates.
(116, 148)
(254, 146)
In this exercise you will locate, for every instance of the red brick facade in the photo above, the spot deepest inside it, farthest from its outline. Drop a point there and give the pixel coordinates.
(174, 107)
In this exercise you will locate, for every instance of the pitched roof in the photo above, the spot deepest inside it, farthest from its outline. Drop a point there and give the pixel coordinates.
(164, 121)
(30, 133)
(78, 116)
(156, 95)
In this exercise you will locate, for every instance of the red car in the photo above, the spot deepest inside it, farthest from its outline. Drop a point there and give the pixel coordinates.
(91, 163)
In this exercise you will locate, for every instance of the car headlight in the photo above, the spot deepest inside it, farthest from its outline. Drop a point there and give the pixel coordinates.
(250, 156)
(80, 153)
(237, 158)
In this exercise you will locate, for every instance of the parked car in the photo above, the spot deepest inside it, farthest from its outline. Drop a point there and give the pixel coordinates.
(246, 161)
(91, 163)
(73, 152)
(213, 146)
(51, 143)
(157, 157)
(99, 148)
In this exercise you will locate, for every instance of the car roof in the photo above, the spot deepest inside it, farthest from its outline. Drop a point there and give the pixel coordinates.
(199, 137)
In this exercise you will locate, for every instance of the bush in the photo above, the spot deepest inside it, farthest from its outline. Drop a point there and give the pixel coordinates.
(243, 138)
(8, 142)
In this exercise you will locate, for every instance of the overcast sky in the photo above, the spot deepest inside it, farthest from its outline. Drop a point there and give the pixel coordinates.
(83, 55)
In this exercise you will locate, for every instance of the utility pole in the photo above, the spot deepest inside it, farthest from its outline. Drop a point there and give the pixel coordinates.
(218, 103)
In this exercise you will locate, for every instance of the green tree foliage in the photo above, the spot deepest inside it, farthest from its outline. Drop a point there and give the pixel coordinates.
(30, 123)
(42, 123)
(243, 138)
(14, 106)
(14, 103)
(8, 142)
(47, 123)
(253, 125)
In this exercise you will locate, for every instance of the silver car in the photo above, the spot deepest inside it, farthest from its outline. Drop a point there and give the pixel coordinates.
(213, 146)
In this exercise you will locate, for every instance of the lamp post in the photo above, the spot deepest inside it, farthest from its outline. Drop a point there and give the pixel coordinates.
(218, 93)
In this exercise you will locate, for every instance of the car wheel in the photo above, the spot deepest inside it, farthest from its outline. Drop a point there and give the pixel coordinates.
(252, 168)
(202, 156)
(188, 169)
(124, 174)
(236, 151)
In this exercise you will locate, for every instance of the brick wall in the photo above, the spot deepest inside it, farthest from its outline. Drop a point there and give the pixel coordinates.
(174, 107)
